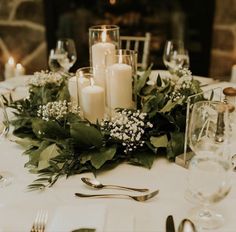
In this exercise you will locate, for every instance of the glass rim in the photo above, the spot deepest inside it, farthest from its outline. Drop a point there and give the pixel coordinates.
(104, 26)
(89, 71)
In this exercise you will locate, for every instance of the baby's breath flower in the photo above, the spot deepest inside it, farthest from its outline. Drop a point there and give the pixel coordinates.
(56, 110)
(44, 77)
(128, 127)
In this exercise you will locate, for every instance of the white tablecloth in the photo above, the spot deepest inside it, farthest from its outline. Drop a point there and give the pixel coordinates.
(18, 206)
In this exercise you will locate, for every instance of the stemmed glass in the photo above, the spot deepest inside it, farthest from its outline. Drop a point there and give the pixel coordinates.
(5, 177)
(210, 169)
(64, 56)
(175, 56)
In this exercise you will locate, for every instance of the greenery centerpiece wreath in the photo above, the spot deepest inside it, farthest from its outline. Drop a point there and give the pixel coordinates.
(61, 143)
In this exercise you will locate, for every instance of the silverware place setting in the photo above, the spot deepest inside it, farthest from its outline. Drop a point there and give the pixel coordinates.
(140, 198)
(40, 221)
(97, 185)
(186, 225)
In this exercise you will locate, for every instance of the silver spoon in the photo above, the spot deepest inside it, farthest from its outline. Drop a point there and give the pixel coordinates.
(187, 225)
(136, 198)
(96, 184)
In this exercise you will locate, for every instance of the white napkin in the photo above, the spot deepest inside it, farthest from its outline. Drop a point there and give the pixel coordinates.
(68, 218)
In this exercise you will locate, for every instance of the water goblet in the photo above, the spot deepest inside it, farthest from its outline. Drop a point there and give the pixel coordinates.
(53, 63)
(175, 56)
(5, 177)
(209, 174)
(66, 53)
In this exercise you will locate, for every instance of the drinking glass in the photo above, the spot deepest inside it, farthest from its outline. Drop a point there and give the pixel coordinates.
(175, 56)
(5, 177)
(66, 53)
(53, 63)
(210, 169)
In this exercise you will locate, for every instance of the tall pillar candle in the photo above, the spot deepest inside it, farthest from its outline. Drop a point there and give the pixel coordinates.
(93, 102)
(19, 70)
(119, 86)
(9, 68)
(103, 54)
(103, 42)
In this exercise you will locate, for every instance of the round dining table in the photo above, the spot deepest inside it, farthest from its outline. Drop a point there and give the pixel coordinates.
(67, 212)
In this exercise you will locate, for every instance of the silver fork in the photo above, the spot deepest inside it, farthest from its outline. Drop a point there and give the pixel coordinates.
(40, 221)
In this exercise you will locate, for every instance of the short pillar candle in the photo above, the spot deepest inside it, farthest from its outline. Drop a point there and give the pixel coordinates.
(93, 103)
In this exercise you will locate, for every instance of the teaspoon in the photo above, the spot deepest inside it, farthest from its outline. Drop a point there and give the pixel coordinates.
(136, 198)
(96, 184)
(187, 225)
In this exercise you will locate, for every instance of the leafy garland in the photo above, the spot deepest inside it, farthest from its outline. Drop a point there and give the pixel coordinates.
(59, 142)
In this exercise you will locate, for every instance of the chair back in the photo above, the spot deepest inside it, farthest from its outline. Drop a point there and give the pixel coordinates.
(141, 44)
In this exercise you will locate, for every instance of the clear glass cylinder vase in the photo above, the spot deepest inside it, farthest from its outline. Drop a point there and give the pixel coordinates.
(120, 80)
(103, 42)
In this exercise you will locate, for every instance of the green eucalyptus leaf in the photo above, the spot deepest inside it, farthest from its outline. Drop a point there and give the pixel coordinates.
(141, 82)
(176, 145)
(159, 81)
(160, 141)
(27, 142)
(34, 156)
(64, 94)
(86, 135)
(104, 154)
(170, 105)
(48, 129)
(98, 157)
(144, 158)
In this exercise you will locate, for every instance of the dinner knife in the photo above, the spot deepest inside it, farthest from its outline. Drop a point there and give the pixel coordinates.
(170, 225)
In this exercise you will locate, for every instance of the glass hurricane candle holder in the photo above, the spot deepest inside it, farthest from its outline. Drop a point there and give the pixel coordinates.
(91, 96)
(120, 80)
(103, 41)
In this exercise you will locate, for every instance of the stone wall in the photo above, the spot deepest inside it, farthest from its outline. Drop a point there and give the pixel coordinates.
(22, 34)
(223, 54)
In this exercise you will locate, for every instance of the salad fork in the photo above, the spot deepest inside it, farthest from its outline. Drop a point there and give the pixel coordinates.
(40, 221)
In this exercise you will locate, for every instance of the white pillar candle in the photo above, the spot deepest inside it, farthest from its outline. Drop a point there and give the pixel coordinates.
(233, 73)
(103, 54)
(73, 90)
(19, 70)
(82, 83)
(119, 86)
(93, 102)
(100, 76)
(9, 68)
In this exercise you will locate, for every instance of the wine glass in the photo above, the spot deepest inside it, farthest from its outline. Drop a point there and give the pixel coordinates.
(210, 169)
(53, 61)
(175, 56)
(66, 53)
(5, 177)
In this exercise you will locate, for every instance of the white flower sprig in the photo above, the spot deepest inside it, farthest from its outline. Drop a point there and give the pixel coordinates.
(128, 127)
(181, 84)
(44, 77)
(56, 110)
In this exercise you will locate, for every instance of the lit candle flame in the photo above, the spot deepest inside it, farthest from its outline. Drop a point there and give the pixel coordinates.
(19, 66)
(11, 61)
(104, 35)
